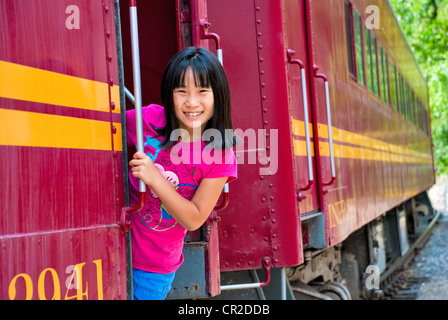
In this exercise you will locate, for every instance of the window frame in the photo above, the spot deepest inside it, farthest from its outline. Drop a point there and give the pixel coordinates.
(393, 95)
(350, 39)
(372, 53)
(359, 65)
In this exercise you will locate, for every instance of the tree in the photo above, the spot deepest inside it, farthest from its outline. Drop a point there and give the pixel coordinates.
(425, 24)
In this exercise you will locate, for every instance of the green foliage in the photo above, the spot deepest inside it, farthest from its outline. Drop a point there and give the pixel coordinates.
(425, 23)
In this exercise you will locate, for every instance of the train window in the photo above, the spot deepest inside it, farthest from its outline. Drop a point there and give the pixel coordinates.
(360, 63)
(393, 86)
(401, 95)
(407, 101)
(418, 115)
(413, 112)
(350, 42)
(372, 62)
(422, 117)
(384, 76)
(426, 119)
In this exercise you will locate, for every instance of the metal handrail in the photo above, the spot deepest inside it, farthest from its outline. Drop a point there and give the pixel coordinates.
(329, 126)
(290, 53)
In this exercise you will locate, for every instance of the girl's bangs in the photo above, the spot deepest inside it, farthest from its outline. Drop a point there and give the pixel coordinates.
(200, 73)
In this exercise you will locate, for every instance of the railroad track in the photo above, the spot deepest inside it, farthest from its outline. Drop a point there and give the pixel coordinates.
(401, 283)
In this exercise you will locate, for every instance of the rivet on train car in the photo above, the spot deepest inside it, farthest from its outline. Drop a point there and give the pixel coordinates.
(108, 34)
(112, 105)
(262, 72)
(106, 9)
(260, 46)
(273, 210)
(268, 147)
(274, 235)
(111, 81)
(257, 8)
(272, 198)
(115, 154)
(238, 264)
(264, 97)
(227, 264)
(118, 200)
(116, 179)
(266, 239)
(271, 185)
(109, 57)
(259, 21)
(275, 248)
(260, 34)
(275, 260)
(263, 199)
(273, 220)
(261, 177)
(266, 122)
(264, 218)
(263, 85)
(261, 59)
(251, 263)
(114, 129)
(265, 110)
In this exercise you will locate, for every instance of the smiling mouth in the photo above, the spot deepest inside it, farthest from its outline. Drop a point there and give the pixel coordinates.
(193, 114)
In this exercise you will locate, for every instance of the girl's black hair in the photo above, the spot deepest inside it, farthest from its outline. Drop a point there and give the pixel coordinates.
(208, 73)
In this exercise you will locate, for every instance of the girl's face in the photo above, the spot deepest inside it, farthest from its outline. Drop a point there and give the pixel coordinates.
(193, 106)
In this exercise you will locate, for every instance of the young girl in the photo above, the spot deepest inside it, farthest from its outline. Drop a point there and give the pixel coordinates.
(183, 188)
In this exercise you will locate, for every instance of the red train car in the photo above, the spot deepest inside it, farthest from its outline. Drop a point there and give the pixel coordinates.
(61, 168)
(336, 156)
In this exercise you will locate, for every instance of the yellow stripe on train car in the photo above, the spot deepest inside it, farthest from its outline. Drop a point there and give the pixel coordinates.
(21, 82)
(30, 129)
(369, 148)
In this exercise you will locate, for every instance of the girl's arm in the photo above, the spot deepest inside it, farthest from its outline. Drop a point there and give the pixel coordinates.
(190, 214)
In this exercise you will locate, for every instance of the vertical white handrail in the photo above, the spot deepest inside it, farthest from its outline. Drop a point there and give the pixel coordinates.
(137, 81)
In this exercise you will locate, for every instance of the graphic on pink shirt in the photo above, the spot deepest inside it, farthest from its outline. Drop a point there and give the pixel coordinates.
(158, 218)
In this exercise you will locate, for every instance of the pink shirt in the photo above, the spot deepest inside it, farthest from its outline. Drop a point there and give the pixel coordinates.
(157, 239)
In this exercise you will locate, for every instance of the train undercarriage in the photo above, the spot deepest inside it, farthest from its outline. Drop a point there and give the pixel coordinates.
(358, 268)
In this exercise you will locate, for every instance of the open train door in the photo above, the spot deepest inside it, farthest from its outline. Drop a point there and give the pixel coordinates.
(61, 172)
(164, 28)
(199, 275)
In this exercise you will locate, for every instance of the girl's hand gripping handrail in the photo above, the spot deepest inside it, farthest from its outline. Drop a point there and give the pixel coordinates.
(125, 222)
